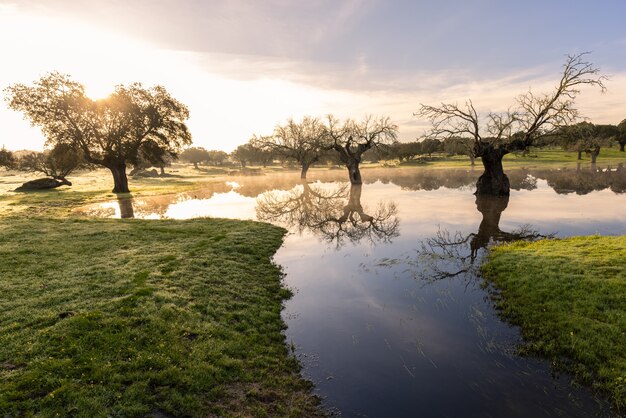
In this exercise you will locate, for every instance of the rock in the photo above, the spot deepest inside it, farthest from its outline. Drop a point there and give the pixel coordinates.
(42, 184)
(147, 173)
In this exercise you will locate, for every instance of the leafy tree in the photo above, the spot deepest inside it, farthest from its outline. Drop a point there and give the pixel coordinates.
(303, 141)
(7, 159)
(152, 155)
(430, 145)
(109, 132)
(261, 155)
(195, 155)
(587, 137)
(57, 163)
(406, 150)
(459, 146)
(535, 116)
(351, 139)
(621, 135)
(217, 157)
(244, 154)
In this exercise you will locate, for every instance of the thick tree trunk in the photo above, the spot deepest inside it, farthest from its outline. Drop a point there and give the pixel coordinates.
(120, 181)
(354, 173)
(195, 165)
(621, 146)
(162, 170)
(594, 155)
(580, 155)
(493, 181)
(305, 168)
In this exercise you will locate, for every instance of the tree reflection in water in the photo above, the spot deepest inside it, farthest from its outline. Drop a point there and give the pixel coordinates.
(326, 214)
(126, 207)
(448, 254)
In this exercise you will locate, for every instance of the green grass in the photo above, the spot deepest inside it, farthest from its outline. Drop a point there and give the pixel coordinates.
(538, 157)
(142, 318)
(569, 298)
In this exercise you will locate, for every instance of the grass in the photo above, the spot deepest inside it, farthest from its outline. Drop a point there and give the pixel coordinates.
(136, 318)
(538, 157)
(569, 298)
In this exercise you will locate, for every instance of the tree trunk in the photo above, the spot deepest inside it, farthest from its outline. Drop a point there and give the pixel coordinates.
(472, 159)
(594, 154)
(162, 170)
(621, 146)
(580, 155)
(195, 165)
(120, 181)
(305, 168)
(493, 181)
(354, 173)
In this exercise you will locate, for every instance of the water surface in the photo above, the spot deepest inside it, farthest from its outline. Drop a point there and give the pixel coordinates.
(389, 317)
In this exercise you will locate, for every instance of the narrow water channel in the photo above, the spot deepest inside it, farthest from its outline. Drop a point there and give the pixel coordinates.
(389, 315)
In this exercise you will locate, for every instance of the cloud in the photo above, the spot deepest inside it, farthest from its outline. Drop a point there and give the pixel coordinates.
(243, 67)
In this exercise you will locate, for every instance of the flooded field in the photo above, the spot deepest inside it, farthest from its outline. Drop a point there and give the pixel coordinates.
(389, 315)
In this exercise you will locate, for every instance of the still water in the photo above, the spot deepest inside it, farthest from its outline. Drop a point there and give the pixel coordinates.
(388, 316)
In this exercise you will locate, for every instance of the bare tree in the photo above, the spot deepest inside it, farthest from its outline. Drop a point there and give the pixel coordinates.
(351, 139)
(303, 142)
(534, 116)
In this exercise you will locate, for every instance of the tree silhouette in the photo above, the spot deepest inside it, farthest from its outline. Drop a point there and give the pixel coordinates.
(301, 141)
(534, 116)
(351, 139)
(109, 132)
(57, 163)
(7, 158)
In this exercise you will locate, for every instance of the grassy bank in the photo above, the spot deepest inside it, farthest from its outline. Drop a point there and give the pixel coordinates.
(136, 318)
(569, 298)
(537, 158)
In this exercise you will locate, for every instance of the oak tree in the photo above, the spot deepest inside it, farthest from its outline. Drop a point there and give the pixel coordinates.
(109, 132)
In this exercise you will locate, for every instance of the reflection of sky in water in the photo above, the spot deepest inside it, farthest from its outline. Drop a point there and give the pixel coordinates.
(375, 340)
(220, 205)
(378, 342)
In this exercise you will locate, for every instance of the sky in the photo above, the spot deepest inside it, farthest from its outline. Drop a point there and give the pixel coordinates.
(243, 66)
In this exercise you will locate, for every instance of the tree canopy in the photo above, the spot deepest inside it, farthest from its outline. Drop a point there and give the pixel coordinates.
(109, 132)
(57, 163)
(7, 159)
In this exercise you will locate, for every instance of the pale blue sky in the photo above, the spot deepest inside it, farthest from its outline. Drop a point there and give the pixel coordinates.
(290, 58)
